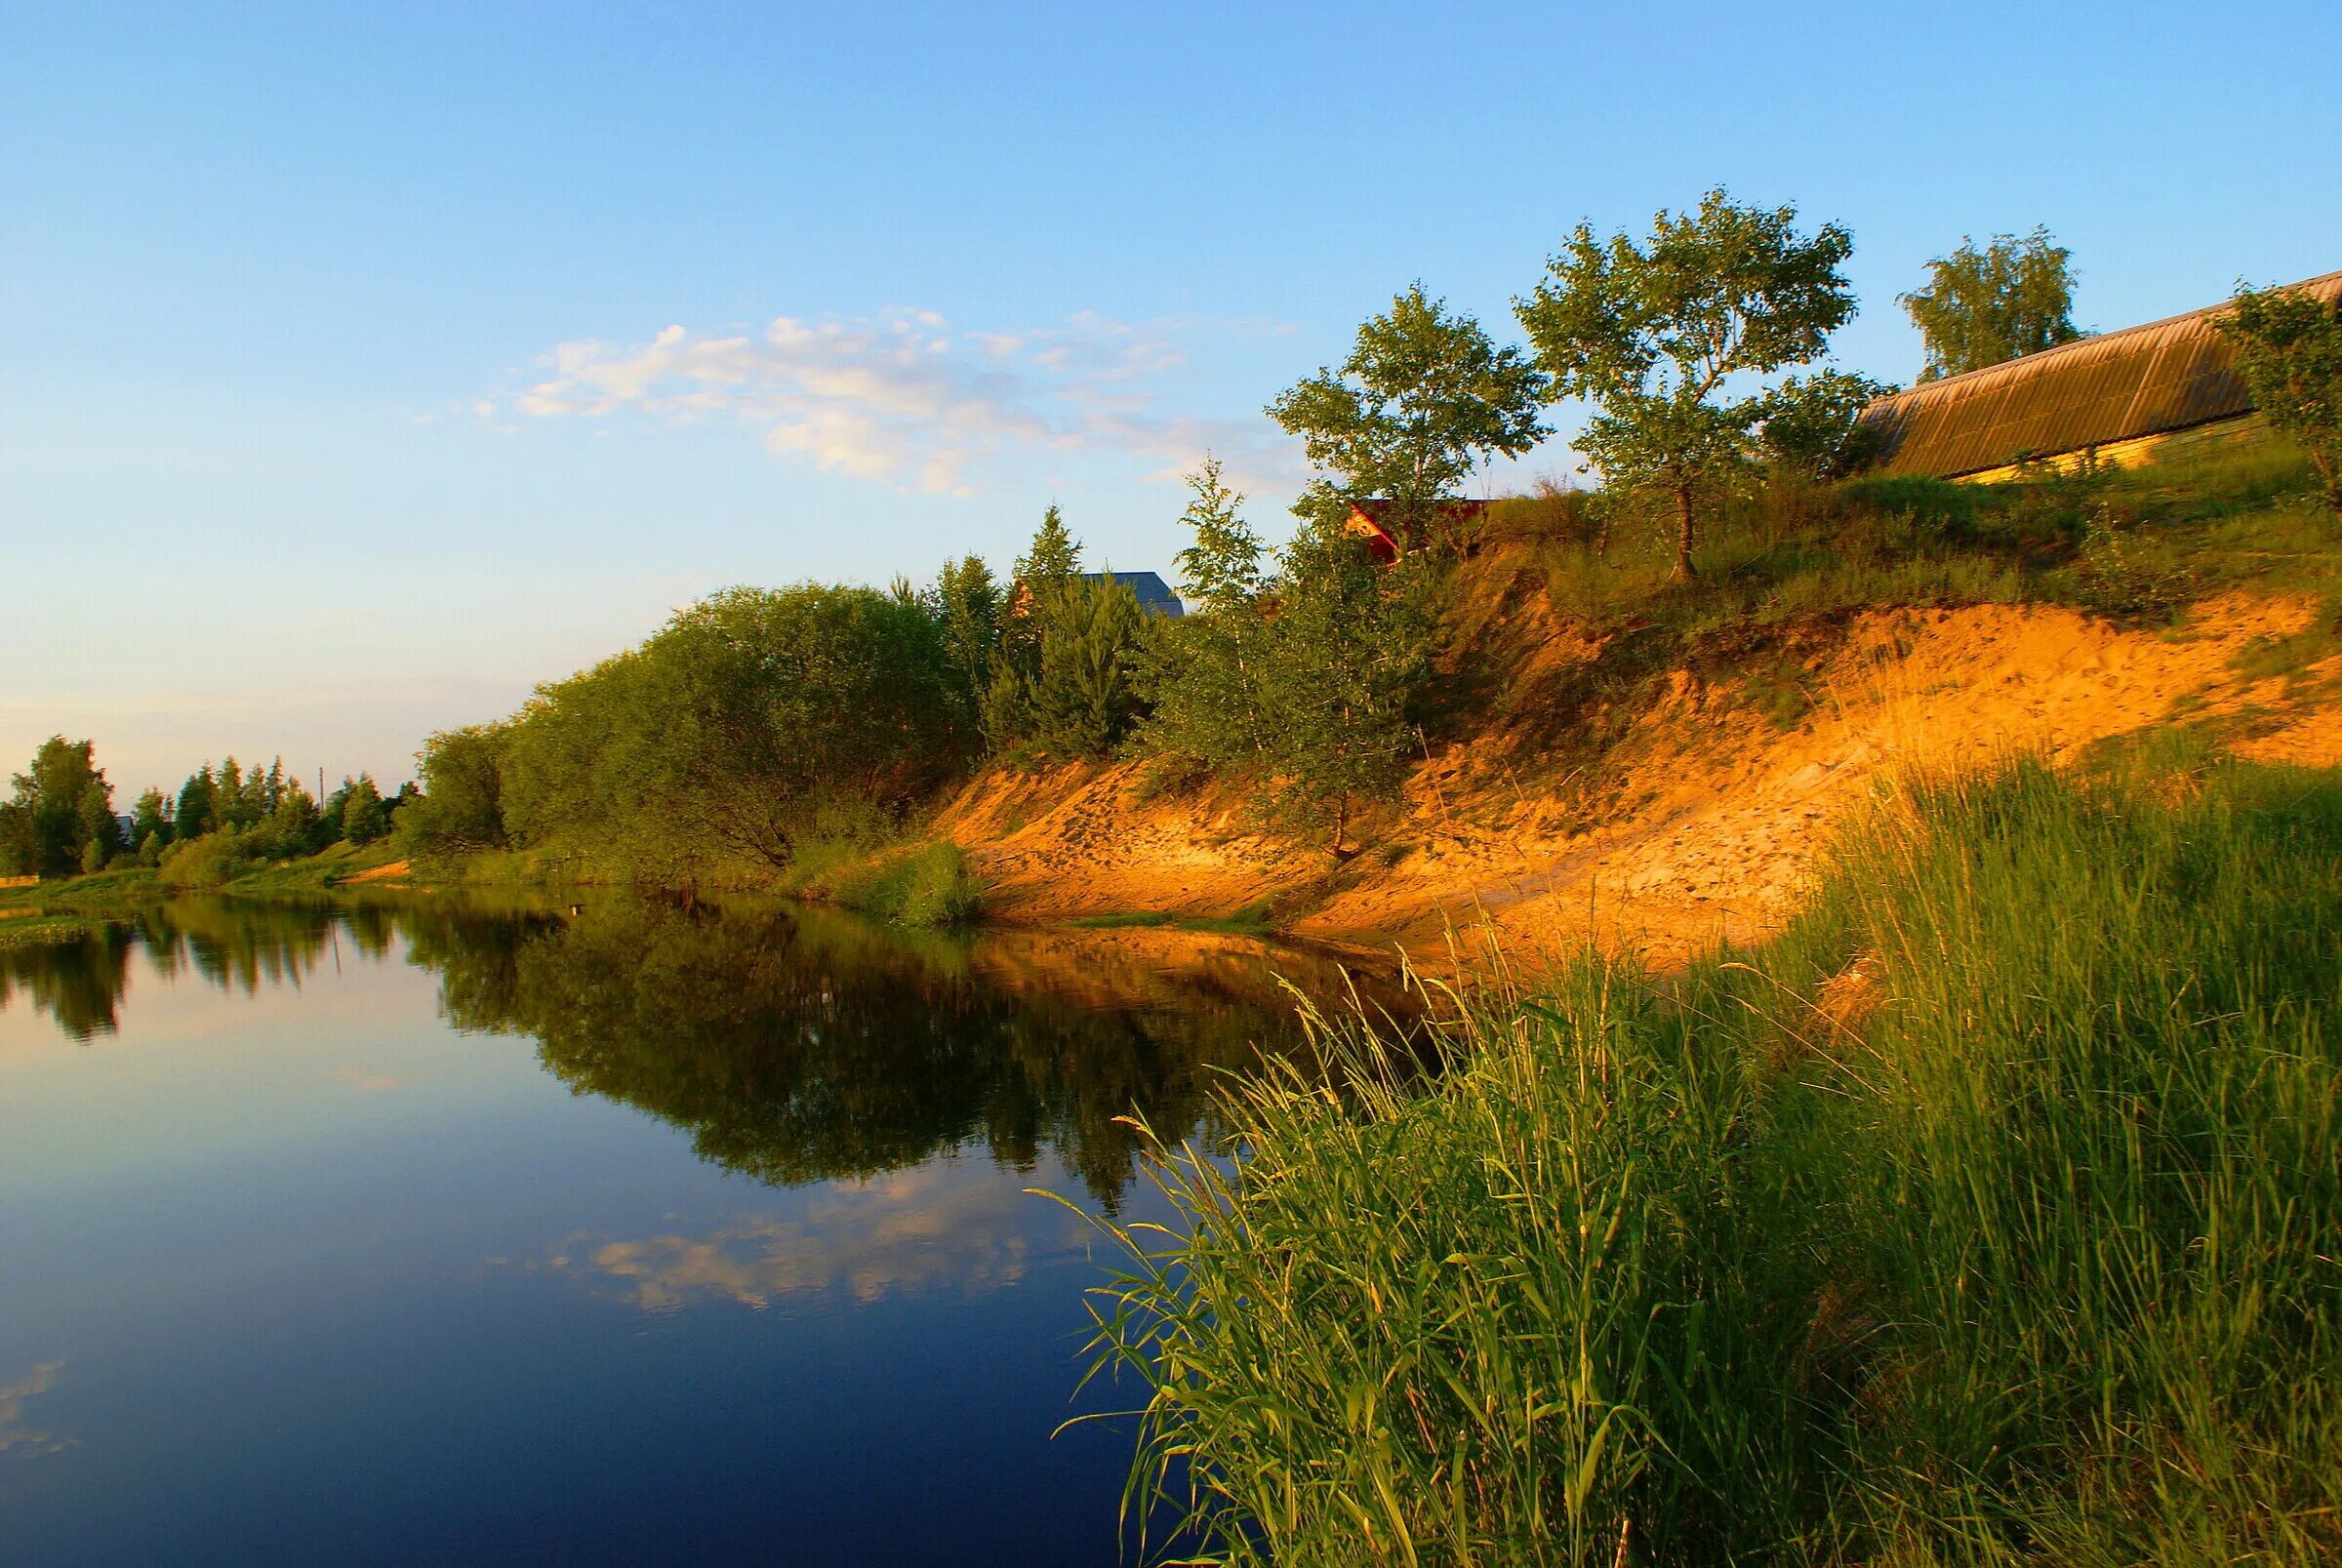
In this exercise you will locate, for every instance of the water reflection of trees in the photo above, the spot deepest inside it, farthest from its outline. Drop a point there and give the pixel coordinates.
(796, 1047)
(793, 1046)
(238, 944)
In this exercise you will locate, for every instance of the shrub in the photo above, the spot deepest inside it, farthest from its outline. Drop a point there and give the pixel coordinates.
(927, 886)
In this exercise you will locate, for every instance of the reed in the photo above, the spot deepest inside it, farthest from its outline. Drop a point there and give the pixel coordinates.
(1989, 1215)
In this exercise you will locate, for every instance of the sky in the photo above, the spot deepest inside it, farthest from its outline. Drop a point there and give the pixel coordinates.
(362, 367)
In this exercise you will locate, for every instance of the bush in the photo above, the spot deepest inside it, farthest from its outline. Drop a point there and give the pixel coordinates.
(213, 859)
(1986, 1216)
(927, 886)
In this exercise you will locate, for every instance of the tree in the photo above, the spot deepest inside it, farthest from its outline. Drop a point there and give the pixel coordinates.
(295, 825)
(1043, 574)
(57, 809)
(1985, 308)
(1657, 335)
(1202, 673)
(1349, 650)
(751, 718)
(967, 604)
(198, 805)
(363, 820)
(151, 818)
(1423, 399)
(2286, 343)
(1085, 694)
(1222, 568)
(460, 809)
(1302, 678)
(1055, 558)
(1812, 425)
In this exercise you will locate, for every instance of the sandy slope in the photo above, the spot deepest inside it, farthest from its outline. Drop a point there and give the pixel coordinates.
(1708, 817)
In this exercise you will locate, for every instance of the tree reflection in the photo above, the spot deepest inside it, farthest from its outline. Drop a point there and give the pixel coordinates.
(800, 1046)
(792, 1045)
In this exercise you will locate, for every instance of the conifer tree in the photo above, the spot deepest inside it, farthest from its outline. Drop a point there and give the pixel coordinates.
(1085, 694)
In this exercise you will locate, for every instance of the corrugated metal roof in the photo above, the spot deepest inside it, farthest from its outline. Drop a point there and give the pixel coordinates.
(2142, 380)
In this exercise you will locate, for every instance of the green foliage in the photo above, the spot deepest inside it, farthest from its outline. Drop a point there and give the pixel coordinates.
(967, 606)
(56, 811)
(151, 818)
(461, 810)
(1423, 400)
(363, 820)
(1663, 336)
(1812, 425)
(1935, 1232)
(1302, 679)
(2287, 346)
(1084, 698)
(1064, 678)
(725, 737)
(1984, 308)
(213, 859)
(198, 805)
(929, 886)
(1222, 568)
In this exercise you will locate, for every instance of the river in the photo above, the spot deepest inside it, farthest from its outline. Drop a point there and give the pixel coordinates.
(413, 1231)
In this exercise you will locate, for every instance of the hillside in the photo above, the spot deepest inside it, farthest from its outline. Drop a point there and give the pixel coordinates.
(1660, 797)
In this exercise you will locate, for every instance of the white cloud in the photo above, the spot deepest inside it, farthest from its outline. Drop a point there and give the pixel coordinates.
(905, 399)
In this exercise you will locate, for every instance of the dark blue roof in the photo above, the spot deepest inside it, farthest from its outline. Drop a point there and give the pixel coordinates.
(1151, 591)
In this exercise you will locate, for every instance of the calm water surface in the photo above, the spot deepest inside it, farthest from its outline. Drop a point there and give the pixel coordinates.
(404, 1232)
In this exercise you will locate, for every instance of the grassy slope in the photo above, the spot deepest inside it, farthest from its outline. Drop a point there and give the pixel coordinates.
(1985, 1216)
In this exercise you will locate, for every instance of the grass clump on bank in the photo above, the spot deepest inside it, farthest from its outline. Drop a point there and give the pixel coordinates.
(1987, 1216)
(930, 885)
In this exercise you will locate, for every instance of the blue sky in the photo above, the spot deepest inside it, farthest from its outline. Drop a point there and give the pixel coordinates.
(362, 366)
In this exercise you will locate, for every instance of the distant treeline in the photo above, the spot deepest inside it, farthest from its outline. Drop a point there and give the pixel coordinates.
(60, 818)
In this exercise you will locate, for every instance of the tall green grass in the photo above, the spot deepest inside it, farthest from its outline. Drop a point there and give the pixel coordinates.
(1989, 1215)
(929, 885)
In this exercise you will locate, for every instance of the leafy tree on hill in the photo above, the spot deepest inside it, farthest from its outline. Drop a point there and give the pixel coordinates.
(229, 797)
(1981, 307)
(1812, 425)
(1665, 336)
(1423, 399)
(1055, 558)
(2287, 346)
(743, 724)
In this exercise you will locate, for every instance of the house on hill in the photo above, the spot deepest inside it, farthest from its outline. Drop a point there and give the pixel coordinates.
(1372, 523)
(2118, 399)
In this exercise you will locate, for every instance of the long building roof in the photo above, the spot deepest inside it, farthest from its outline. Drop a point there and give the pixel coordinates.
(2142, 380)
